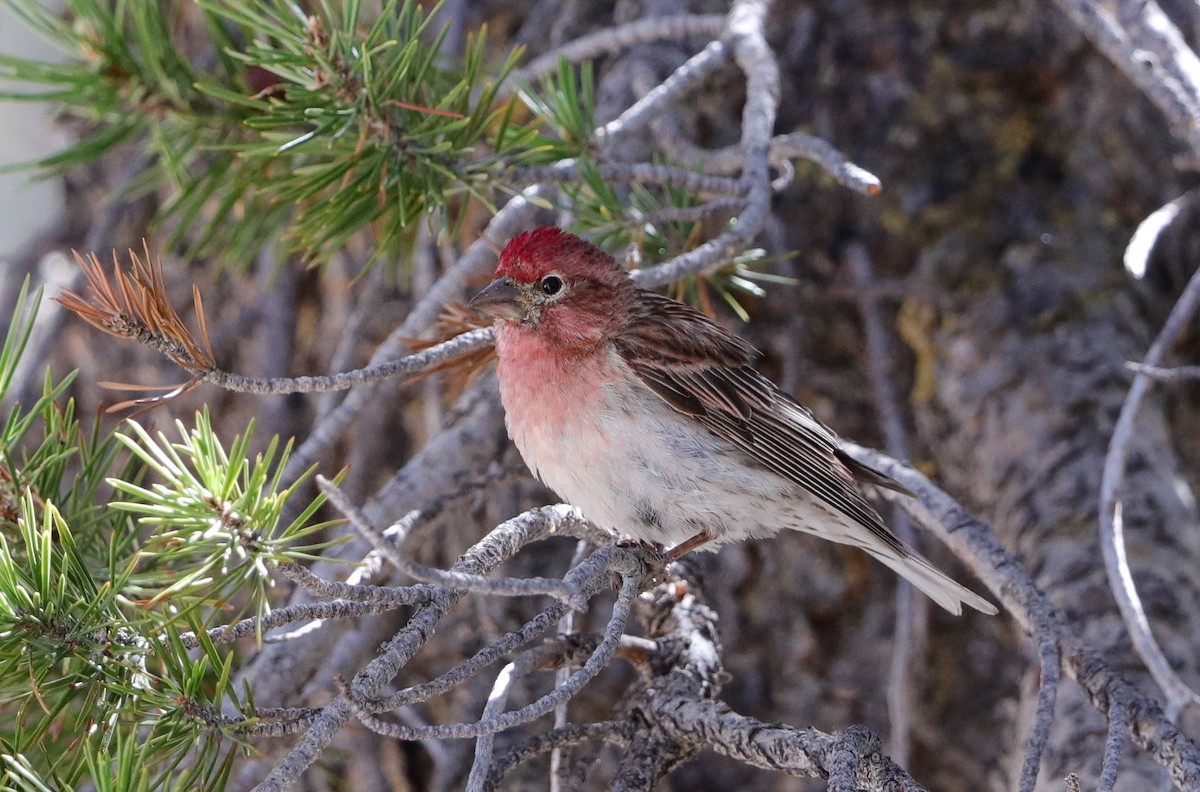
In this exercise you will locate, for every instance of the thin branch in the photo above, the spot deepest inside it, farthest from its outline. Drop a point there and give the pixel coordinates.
(566, 626)
(784, 148)
(1176, 374)
(389, 545)
(269, 722)
(590, 577)
(1112, 750)
(135, 305)
(302, 612)
(497, 700)
(1112, 540)
(634, 173)
(1049, 676)
(460, 346)
(395, 596)
(361, 600)
(562, 737)
(749, 45)
(622, 37)
(912, 622)
(694, 71)
(1152, 53)
(473, 665)
(281, 721)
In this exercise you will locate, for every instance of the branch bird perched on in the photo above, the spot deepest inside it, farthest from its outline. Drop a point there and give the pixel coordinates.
(648, 416)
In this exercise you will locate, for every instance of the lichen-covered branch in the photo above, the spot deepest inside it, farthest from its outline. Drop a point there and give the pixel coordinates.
(1105, 686)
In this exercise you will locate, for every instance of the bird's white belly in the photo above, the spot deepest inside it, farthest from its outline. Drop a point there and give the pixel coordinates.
(634, 465)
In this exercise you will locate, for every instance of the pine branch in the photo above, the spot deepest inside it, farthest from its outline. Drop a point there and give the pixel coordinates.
(135, 305)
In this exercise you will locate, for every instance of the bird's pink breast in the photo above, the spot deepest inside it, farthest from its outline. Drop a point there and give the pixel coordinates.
(551, 402)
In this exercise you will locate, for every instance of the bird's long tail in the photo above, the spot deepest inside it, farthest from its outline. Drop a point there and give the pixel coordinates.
(941, 589)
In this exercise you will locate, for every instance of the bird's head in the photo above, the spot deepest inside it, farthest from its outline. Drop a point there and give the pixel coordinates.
(555, 282)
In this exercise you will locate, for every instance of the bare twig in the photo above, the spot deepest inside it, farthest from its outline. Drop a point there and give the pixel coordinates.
(135, 305)
(687, 77)
(566, 625)
(794, 145)
(281, 721)
(497, 700)
(635, 173)
(612, 40)
(389, 545)
(473, 665)
(750, 50)
(562, 737)
(590, 576)
(355, 592)
(911, 613)
(1176, 374)
(1145, 45)
(1112, 749)
(302, 612)
(548, 655)
(459, 346)
(1112, 542)
(1049, 675)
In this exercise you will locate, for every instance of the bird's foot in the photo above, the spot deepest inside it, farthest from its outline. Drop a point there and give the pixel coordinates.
(630, 542)
(652, 555)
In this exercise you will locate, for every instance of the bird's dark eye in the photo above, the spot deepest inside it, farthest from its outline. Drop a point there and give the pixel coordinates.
(551, 285)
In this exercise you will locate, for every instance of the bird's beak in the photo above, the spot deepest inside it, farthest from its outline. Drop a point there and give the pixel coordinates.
(501, 300)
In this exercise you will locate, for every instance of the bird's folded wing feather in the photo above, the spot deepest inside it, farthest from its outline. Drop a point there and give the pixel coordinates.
(703, 371)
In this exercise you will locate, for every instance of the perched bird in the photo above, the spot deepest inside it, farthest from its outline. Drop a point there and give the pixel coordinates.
(649, 417)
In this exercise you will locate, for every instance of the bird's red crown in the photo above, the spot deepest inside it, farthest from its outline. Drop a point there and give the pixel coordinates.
(533, 254)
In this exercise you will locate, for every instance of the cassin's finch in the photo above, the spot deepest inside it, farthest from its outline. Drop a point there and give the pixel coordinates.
(649, 417)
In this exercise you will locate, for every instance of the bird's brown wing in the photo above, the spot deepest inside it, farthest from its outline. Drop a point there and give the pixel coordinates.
(703, 371)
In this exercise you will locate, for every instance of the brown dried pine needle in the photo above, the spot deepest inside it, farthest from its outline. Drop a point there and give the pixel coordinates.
(454, 320)
(134, 304)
